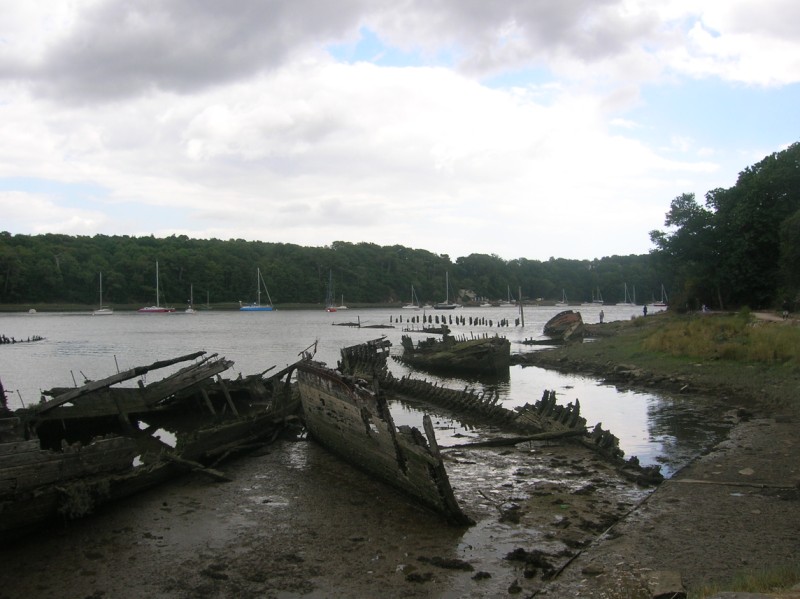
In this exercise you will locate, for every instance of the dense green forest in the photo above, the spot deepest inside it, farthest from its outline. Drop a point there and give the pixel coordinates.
(742, 248)
(65, 269)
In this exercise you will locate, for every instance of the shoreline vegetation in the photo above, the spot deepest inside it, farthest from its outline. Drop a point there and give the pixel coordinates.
(750, 361)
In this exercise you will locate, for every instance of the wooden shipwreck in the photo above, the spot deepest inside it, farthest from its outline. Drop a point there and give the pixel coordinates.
(351, 418)
(490, 354)
(565, 326)
(543, 419)
(93, 444)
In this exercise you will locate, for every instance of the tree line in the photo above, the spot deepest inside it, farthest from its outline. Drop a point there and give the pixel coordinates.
(741, 249)
(63, 269)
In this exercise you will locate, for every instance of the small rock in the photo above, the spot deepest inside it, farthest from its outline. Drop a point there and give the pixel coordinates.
(666, 584)
(592, 570)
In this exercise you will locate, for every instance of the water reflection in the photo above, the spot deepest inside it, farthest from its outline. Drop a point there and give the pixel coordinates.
(656, 428)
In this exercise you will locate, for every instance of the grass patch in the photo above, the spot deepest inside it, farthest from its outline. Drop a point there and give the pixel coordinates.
(727, 337)
(775, 579)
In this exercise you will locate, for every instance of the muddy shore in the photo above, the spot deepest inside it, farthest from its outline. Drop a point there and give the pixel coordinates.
(552, 520)
(732, 510)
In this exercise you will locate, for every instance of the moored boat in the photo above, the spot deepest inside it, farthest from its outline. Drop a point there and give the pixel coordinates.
(446, 304)
(414, 304)
(157, 308)
(257, 306)
(102, 310)
(663, 302)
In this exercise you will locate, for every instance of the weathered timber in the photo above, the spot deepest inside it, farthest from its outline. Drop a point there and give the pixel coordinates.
(78, 451)
(487, 354)
(565, 326)
(197, 467)
(544, 416)
(354, 421)
(506, 441)
(73, 394)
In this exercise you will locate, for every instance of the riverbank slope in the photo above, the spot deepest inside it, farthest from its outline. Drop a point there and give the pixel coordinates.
(735, 509)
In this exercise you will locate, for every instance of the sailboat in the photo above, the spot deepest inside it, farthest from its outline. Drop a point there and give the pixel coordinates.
(628, 300)
(446, 304)
(102, 310)
(342, 306)
(662, 303)
(190, 308)
(597, 299)
(257, 307)
(158, 308)
(563, 301)
(509, 303)
(414, 305)
(329, 307)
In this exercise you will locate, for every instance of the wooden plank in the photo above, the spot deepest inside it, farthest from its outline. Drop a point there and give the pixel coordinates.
(189, 464)
(103, 455)
(19, 446)
(103, 402)
(184, 380)
(228, 397)
(503, 441)
(112, 380)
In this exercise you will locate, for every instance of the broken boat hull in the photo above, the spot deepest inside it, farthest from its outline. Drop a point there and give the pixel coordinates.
(354, 422)
(86, 447)
(484, 355)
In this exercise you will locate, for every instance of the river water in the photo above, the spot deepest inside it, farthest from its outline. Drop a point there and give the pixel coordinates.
(78, 346)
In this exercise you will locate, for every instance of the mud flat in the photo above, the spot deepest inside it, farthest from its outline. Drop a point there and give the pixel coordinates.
(298, 522)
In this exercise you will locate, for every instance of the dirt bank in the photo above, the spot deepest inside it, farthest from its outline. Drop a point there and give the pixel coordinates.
(734, 509)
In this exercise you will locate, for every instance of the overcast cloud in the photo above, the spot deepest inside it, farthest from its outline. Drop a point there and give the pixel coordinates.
(524, 129)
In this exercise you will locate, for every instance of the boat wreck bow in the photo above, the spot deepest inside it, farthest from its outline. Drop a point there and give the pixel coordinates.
(353, 420)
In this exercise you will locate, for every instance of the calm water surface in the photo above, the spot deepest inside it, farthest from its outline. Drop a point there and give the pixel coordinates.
(657, 429)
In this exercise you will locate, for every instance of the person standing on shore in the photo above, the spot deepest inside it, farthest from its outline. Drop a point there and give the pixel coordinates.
(602, 315)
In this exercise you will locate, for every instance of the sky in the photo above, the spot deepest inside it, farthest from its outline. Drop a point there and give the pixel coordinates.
(524, 129)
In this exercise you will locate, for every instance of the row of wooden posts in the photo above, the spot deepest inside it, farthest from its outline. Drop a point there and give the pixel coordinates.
(459, 320)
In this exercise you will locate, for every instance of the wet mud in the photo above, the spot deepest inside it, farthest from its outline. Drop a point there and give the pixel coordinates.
(298, 522)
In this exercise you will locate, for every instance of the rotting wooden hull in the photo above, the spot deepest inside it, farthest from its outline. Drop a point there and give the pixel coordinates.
(566, 325)
(355, 423)
(35, 484)
(91, 449)
(485, 355)
(543, 419)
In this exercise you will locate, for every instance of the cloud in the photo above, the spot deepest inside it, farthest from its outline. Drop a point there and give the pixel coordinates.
(113, 50)
(90, 50)
(234, 121)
